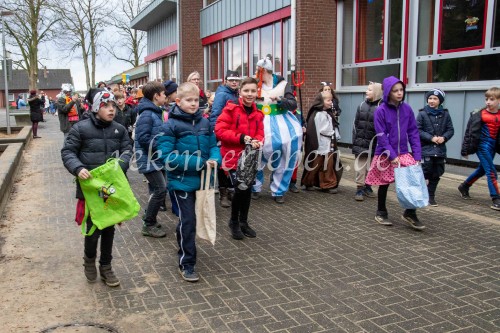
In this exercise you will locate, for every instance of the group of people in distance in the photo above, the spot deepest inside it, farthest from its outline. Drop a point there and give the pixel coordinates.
(174, 139)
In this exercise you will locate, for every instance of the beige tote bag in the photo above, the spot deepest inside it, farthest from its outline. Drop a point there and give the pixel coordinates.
(205, 206)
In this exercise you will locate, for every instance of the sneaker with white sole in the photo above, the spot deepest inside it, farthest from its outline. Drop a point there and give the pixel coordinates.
(189, 275)
(413, 221)
(382, 217)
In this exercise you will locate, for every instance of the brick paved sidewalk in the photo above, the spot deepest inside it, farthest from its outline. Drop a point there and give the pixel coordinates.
(319, 264)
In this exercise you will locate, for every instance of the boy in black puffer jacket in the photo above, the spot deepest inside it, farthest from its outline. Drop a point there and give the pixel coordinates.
(364, 140)
(435, 128)
(90, 143)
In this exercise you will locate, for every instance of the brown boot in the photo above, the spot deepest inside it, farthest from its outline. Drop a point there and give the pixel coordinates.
(223, 197)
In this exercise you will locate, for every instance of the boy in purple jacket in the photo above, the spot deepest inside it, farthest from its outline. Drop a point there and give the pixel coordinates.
(391, 118)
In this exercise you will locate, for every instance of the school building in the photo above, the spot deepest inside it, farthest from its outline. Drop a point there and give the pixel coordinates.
(450, 44)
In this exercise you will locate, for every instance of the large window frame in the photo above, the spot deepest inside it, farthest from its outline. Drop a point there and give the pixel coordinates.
(410, 59)
(437, 54)
(251, 41)
(363, 65)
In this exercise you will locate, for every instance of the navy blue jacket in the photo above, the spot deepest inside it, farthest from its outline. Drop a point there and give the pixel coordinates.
(186, 144)
(429, 126)
(223, 94)
(147, 130)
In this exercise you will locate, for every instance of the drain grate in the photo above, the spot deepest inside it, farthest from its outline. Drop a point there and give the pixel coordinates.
(94, 326)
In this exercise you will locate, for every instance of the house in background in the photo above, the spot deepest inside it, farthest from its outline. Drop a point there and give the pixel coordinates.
(49, 81)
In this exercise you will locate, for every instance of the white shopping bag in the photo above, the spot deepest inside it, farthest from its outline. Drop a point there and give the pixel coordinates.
(205, 206)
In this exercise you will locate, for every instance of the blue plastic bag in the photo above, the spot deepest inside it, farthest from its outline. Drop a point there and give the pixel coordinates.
(411, 188)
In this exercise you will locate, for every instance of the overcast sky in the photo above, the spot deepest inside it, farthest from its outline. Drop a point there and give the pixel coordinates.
(106, 66)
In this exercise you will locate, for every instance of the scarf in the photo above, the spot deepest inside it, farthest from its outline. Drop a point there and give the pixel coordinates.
(433, 112)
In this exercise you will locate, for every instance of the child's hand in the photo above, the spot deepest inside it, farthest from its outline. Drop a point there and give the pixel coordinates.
(84, 174)
(440, 140)
(247, 138)
(395, 161)
(212, 163)
(256, 144)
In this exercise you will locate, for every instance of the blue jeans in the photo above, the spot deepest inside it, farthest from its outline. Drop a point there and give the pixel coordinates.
(158, 185)
(186, 228)
(486, 154)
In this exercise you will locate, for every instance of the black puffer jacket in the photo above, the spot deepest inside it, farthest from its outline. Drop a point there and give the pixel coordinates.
(430, 126)
(91, 142)
(472, 134)
(363, 131)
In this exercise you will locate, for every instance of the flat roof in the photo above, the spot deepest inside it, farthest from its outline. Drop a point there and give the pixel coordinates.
(153, 14)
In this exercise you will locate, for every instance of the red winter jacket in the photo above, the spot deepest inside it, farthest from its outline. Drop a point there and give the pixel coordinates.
(231, 127)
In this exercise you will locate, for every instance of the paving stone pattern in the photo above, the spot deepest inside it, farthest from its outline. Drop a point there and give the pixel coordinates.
(319, 264)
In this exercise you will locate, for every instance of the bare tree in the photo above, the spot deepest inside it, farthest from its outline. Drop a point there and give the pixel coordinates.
(132, 42)
(83, 23)
(30, 26)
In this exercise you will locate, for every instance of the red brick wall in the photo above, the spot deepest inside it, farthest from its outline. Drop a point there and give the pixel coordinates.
(316, 45)
(191, 50)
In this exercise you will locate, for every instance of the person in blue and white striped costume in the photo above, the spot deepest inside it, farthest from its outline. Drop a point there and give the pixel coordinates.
(282, 131)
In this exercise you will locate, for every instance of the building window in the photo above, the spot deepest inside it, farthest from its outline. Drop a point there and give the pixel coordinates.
(213, 65)
(370, 32)
(452, 41)
(464, 47)
(372, 35)
(236, 54)
(169, 68)
(462, 25)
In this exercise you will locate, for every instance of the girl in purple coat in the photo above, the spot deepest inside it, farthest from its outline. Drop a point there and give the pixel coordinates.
(395, 126)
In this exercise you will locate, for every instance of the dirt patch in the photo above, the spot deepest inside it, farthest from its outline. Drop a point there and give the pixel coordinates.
(4, 134)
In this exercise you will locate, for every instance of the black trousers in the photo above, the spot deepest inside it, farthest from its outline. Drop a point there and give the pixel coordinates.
(240, 205)
(433, 168)
(90, 245)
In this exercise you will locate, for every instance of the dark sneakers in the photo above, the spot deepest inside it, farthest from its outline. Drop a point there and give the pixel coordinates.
(108, 276)
(382, 217)
(279, 199)
(255, 195)
(412, 219)
(369, 192)
(496, 204)
(189, 275)
(153, 231)
(432, 202)
(247, 230)
(90, 269)
(236, 232)
(464, 191)
(293, 188)
(360, 195)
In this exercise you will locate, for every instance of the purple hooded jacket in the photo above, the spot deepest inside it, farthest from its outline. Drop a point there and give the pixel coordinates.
(386, 125)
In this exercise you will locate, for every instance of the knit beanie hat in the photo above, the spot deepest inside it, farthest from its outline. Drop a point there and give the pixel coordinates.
(99, 97)
(436, 92)
(170, 87)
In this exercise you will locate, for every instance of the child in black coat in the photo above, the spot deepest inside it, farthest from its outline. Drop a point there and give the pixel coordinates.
(435, 128)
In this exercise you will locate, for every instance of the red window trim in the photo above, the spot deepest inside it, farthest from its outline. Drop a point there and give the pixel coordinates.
(356, 60)
(270, 18)
(440, 51)
(161, 53)
(406, 38)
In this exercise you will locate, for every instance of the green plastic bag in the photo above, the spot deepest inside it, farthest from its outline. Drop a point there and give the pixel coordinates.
(108, 197)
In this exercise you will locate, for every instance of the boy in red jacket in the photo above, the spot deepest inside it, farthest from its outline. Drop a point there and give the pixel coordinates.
(238, 124)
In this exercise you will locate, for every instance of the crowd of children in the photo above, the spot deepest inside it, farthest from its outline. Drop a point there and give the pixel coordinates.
(175, 131)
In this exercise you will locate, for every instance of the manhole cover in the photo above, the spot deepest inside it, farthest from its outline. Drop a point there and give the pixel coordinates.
(80, 328)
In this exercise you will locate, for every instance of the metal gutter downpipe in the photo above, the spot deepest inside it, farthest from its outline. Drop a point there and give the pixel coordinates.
(179, 43)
